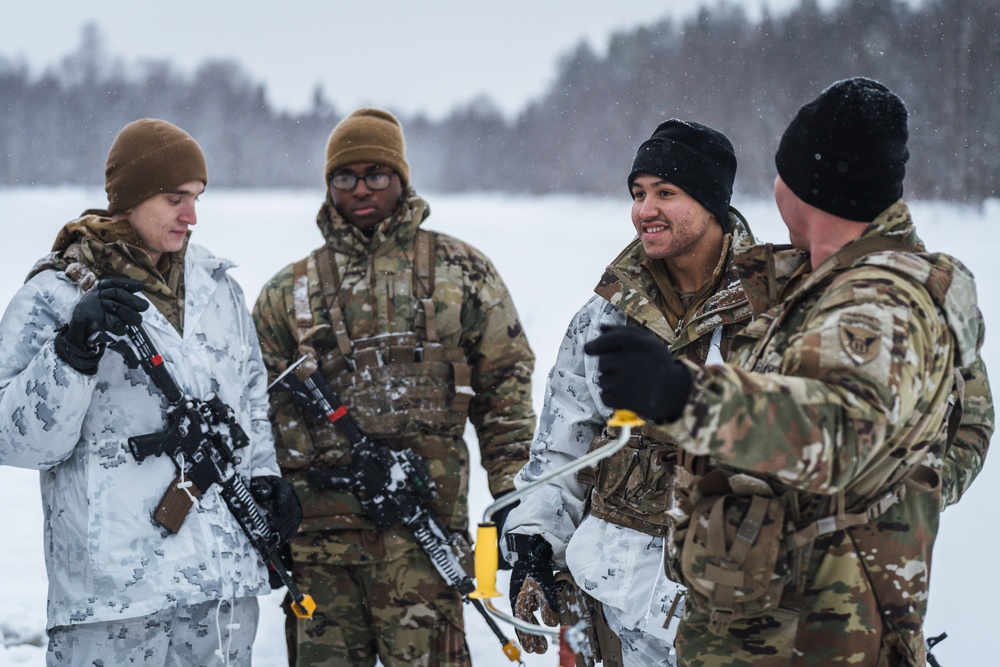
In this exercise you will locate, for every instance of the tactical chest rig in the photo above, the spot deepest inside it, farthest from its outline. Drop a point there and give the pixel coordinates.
(397, 385)
(634, 487)
(740, 543)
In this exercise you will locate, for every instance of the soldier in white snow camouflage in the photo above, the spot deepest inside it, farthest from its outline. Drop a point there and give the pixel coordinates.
(674, 282)
(122, 589)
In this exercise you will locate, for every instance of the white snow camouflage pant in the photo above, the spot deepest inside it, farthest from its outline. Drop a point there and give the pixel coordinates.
(206, 634)
(623, 569)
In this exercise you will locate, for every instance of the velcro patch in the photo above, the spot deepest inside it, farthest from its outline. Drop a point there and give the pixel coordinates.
(860, 336)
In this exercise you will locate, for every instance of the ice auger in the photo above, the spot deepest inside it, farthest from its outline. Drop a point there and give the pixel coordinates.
(572, 638)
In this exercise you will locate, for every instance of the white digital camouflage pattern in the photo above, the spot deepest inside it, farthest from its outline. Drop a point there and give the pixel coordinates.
(572, 416)
(620, 566)
(187, 635)
(105, 558)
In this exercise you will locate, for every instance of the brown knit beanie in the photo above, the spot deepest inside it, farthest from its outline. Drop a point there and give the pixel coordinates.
(368, 135)
(150, 156)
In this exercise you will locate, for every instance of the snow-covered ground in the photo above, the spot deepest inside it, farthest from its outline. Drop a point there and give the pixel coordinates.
(551, 251)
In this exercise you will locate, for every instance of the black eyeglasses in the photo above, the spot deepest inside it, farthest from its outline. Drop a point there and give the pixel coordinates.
(347, 181)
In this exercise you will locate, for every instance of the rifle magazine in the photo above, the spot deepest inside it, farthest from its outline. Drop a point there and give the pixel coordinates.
(175, 505)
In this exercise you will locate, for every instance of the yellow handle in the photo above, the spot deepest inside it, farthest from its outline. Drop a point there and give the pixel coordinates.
(625, 418)
(305, 607)
(511, 650)
(487, 559)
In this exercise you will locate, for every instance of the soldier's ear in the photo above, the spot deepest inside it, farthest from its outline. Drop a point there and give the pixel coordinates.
(122, 215)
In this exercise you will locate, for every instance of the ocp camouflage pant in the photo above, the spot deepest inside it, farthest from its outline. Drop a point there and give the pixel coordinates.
(400, 611)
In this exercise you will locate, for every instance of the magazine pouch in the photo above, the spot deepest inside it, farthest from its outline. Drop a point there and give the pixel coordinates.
(733, 559)
(632, 487)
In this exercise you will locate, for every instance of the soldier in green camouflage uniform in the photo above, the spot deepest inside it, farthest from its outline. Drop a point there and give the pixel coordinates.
(805, 534)
(416, 332)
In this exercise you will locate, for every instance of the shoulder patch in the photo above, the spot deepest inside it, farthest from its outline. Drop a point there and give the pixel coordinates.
(860, 336)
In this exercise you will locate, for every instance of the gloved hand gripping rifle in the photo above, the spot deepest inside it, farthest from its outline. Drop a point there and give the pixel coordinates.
(201, 438)
(392, 486)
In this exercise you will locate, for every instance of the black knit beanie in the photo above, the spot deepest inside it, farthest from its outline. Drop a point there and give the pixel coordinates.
(845, 152)
(697, 159)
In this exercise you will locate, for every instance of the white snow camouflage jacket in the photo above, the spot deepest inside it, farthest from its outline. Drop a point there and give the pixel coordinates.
(617, 565)
(106, 560)
(572, 416)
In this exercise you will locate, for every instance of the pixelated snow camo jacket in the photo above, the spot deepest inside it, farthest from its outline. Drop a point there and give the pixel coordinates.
(105, 558)
(840, 385)
(616, 553)
(573, 415)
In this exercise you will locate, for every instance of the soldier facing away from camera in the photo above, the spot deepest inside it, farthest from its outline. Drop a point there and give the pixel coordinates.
(815, 465)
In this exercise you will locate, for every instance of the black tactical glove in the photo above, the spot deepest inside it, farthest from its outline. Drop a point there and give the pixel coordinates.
(107, 307)
(499, 518)
(638, 373)
(533, 587)
(284, 514)
(279, 500)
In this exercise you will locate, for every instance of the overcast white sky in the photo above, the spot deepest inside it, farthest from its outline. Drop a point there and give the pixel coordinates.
(408, 55)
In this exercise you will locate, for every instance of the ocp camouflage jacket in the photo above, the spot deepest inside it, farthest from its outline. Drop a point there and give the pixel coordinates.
(473, 311)
(840, 387)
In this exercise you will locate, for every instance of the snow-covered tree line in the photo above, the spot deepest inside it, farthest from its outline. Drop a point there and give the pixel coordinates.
(745, 77)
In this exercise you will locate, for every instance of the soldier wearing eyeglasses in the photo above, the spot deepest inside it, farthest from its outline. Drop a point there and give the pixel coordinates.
(417, 333)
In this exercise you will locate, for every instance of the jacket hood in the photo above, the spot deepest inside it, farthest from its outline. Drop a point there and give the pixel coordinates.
(950, 283)
(400, 227)
(742, 234)
(103, 245)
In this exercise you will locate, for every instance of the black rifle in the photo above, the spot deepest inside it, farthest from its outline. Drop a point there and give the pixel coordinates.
(201, 438)
(931, 643)
(393, 486)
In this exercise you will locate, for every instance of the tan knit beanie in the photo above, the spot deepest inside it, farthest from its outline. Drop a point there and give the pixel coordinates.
(368, 135)
(148, 157)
